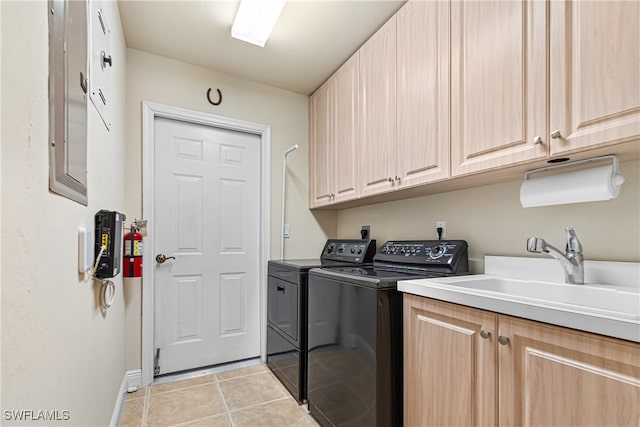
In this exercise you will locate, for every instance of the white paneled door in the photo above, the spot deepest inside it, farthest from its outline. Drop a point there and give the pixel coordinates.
(207, 225)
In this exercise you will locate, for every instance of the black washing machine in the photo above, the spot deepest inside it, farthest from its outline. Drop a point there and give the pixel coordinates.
(287, 299)
(355, 331)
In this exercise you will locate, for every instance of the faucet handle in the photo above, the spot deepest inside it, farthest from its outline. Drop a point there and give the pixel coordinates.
(573, 244)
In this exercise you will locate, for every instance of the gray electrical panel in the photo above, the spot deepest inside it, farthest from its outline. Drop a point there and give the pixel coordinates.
(68, 85)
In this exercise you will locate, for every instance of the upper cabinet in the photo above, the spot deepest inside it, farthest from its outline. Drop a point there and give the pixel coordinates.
(449, 89)
(321, 150)
(404, 100)
(346, 120)
(498, 84)
(378, 110)
(595, 74)
(422, 75)
(333, 131)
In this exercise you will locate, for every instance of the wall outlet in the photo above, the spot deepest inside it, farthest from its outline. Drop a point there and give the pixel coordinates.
(443, 225)
(365, 232)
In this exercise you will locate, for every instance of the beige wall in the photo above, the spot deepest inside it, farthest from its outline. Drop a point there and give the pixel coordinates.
(158, 79)
(59, 351)
(492, 221)
(1, 233)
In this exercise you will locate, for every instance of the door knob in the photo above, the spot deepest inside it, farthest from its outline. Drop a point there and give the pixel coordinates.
(161, 258)
(556, 134)
(485, 334)
(503, 340)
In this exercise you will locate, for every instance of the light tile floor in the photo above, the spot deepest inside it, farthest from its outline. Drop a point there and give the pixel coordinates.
(248, 396)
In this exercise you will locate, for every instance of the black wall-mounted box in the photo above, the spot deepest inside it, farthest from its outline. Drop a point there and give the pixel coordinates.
(108, 231)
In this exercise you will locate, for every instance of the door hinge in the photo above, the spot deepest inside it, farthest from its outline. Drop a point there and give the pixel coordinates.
(156, 363)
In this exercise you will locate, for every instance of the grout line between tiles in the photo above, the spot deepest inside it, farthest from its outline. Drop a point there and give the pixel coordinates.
(255, 405)
(195, 420)
(242, 376)
(228, 413)
(179, 389)
(282, 387)
(145, 408)
(224, 402)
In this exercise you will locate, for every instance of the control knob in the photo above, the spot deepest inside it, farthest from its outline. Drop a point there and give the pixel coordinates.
(437, 251)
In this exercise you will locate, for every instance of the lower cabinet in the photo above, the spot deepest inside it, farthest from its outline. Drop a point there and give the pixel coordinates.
(465, 367)
(557, 376)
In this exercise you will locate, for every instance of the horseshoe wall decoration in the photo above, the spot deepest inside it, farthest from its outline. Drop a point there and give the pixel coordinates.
(219, 97)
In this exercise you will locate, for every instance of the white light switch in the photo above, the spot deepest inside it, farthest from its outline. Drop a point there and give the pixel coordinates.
(85, 249)
(285, 232)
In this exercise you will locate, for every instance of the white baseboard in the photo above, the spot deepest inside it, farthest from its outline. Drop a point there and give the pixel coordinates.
(134, 378)
(131, 379)
(117, 407)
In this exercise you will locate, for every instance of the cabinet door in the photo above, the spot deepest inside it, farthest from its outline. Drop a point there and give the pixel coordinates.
(345, 137)
(378, 110)
(423, 92)
(555, 376)
(449, 369)
(320, 147)
(498, 83)
(595, 73)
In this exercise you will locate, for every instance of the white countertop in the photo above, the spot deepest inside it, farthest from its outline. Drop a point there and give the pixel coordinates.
(609, 303)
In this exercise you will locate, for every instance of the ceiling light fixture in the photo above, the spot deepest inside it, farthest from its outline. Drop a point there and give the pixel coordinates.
(255, 20)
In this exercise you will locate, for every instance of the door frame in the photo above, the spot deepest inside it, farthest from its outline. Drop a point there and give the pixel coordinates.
(151, 111)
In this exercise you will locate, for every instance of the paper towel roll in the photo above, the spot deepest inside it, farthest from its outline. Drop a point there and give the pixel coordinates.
(585, 185)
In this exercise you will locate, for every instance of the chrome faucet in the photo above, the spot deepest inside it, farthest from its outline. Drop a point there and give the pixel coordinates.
(572, 262)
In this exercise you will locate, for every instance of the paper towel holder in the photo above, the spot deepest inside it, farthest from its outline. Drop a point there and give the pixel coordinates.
(575, 185)
(617, 177)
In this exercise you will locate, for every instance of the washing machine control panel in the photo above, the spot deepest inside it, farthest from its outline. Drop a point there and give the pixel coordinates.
(451, 255)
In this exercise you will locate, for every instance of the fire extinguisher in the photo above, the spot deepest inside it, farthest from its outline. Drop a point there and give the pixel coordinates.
(132, 256)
